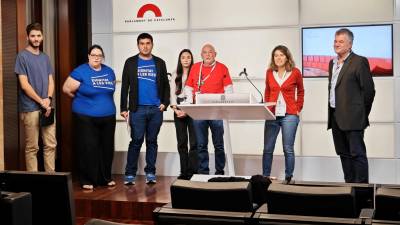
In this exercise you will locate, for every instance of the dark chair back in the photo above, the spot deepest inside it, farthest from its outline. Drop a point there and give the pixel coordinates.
(173, 216)
(219, 196)
(52, 194)
(104, 222)
(324, 201)
(387, 204)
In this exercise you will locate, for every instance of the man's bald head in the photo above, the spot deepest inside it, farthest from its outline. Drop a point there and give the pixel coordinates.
(208, 46)
(208, 54)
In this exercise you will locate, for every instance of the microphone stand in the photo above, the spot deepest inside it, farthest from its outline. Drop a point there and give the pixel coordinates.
(245, 75)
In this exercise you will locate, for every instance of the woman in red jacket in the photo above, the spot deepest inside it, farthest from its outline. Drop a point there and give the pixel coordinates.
(283, 85)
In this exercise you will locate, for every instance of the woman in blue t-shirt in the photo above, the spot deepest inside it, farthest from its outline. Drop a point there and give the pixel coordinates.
(91, 86)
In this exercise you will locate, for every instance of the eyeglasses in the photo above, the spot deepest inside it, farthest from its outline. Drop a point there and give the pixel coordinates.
(96, 56)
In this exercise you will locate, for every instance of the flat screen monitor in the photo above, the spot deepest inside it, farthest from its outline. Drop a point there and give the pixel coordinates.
(52, 195)
(372, 41)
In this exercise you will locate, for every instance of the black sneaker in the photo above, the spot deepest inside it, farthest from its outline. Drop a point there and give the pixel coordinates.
(182, 177)
(219, 172)
(288, 180)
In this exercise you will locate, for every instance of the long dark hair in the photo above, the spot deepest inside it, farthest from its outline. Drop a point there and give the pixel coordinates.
(179, 71)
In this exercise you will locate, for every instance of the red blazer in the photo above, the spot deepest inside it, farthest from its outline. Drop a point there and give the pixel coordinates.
(294, 104)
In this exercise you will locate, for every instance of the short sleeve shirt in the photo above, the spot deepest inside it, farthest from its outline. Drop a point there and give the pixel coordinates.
(212, 80)
(95, 95)
(38, 69)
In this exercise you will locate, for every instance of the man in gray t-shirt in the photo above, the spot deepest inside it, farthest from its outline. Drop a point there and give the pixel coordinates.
(36, 89)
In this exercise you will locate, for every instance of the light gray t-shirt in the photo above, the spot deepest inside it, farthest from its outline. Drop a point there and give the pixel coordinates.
(38, 69)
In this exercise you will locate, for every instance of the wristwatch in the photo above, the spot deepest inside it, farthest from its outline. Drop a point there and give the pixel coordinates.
(51, 98)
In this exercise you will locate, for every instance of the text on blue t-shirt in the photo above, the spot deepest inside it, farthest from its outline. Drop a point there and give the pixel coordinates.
(147, 82)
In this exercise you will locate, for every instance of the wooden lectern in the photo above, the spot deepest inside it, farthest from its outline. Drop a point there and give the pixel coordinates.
(237, 106)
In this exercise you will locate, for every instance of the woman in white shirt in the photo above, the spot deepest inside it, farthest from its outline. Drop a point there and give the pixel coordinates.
(183, 122)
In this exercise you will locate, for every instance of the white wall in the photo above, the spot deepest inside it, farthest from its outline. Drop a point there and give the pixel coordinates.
(244, 33)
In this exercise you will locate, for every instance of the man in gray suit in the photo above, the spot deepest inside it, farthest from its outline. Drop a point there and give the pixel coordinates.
(351, 93)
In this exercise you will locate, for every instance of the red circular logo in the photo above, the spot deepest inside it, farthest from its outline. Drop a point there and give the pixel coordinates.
(149, 7)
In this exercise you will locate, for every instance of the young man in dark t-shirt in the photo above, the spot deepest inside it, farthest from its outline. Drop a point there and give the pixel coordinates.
(145, 79)
(35, 76)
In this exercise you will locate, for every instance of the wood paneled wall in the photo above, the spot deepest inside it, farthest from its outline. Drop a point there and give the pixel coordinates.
(72, 32)
(64, 51)
(13, 24)
(1, 100)
(71, 43)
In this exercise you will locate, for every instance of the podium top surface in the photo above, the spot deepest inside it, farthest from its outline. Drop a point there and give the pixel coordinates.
(239, 111)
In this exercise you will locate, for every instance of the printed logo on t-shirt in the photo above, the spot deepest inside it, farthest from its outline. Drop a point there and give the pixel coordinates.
(102, 81)
(147, 72)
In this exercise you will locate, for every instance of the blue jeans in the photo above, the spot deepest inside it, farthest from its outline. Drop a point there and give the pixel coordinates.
(217, 131)
(147, 121)
(288, 124)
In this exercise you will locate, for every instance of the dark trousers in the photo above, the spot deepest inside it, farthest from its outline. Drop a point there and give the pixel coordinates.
(351, 149)
(94, 145)
(188, 156)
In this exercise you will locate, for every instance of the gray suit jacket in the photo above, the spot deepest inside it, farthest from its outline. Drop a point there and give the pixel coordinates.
(354, 94)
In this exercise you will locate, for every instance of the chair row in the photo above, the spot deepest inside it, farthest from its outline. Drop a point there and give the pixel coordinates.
(310, 202)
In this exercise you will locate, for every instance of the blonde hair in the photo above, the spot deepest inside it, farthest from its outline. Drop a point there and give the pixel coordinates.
(289, 63)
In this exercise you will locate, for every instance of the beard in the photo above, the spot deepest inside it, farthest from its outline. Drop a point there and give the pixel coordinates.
(34, 44)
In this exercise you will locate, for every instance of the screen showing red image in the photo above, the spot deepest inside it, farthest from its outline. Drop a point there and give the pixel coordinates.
(371, 41)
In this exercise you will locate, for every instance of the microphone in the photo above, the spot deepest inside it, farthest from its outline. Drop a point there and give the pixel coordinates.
(245, 75)
(243, 72)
